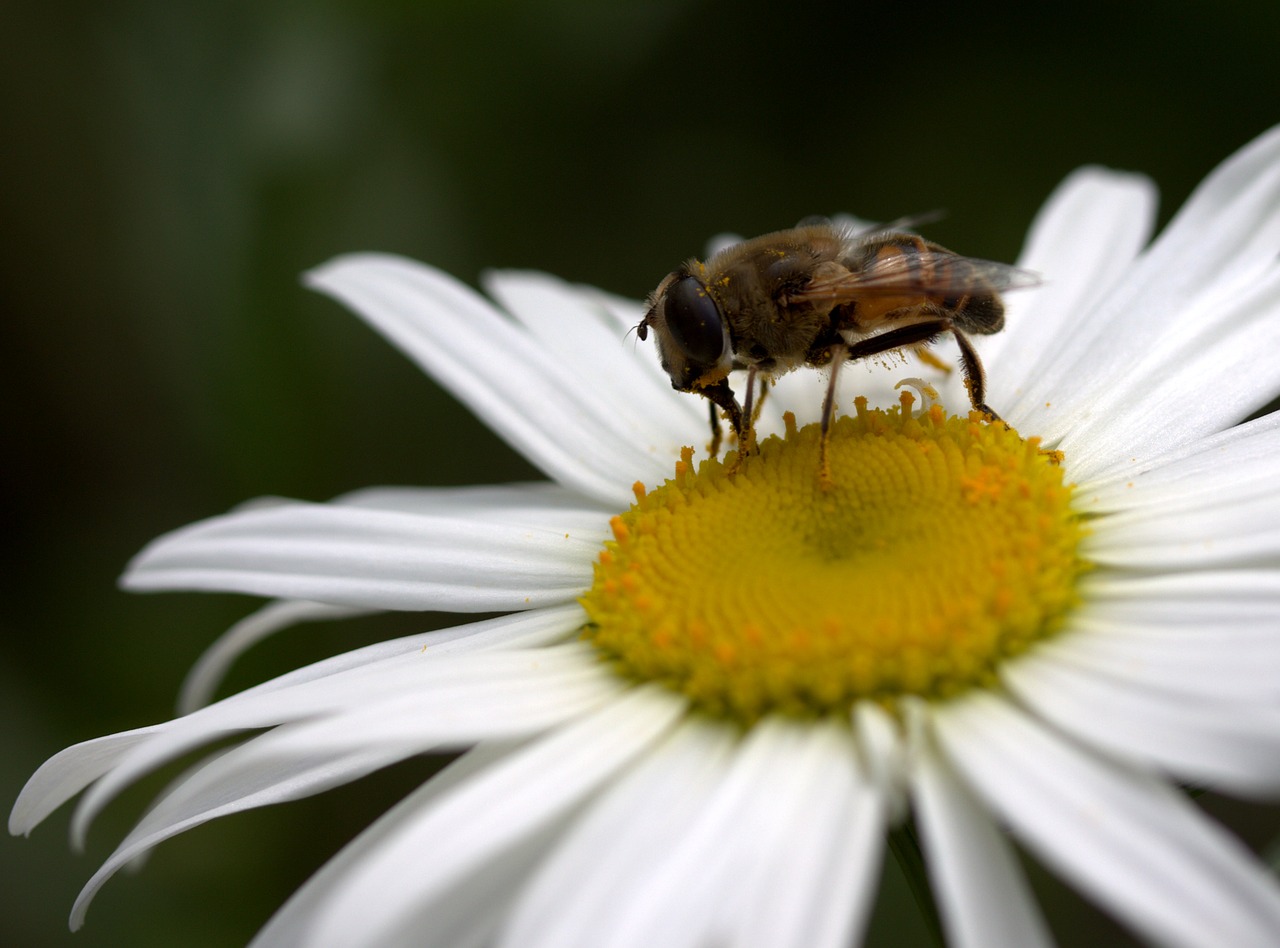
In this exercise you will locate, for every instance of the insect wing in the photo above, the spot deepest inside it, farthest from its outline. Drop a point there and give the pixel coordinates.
(905, 274)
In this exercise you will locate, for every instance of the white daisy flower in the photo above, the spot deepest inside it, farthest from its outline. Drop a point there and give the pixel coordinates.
(715, 692)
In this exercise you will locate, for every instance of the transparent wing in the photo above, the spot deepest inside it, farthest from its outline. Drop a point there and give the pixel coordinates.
(938, 274)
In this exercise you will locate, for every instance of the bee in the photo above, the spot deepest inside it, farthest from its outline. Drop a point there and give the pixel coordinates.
(819, 295)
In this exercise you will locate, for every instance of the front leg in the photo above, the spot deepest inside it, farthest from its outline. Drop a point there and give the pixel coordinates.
(721, 394)
(713, 446)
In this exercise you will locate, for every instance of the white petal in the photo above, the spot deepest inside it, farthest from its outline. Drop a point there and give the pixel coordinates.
(1218, 659)
(293, 762)
(1131, 842)
(576, 328)
(68, 772)
(208, 671)
(1214, 367)
(498, 369)
(1197, 596)
(709, 879)
(626, 313)
(853, 870)
(353, 688)
(531, 504)
(463, 915)
(478, 701)
(187, 807)
(522, 630)
(1084, 238)
(622, 839)
(1241, 196)
(293, 925)
(1201, 533)
(809, 874)
(1217, 249)
(681, 902)
(376, 559)
(982, 894)
(884, 755)
(475, 823)
(1239, 461)
(1222, 744)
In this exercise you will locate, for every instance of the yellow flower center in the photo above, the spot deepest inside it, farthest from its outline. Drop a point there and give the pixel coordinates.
(937, 548)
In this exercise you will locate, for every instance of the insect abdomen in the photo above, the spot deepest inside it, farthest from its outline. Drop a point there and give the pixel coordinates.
(951, 283)
(981, 313)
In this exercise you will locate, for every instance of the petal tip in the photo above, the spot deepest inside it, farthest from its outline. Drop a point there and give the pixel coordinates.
(323, 276)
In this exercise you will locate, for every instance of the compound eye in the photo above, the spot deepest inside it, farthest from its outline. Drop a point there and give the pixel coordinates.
(694, 322)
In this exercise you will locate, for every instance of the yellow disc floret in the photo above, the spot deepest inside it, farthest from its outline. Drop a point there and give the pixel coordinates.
(937, 548)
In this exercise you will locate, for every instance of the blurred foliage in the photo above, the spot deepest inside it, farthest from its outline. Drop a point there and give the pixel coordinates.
(170, 169)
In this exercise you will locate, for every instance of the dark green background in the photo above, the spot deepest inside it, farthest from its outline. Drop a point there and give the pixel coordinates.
(167, 171)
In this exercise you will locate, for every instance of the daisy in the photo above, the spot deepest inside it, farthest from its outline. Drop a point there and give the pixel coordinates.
(715, 690)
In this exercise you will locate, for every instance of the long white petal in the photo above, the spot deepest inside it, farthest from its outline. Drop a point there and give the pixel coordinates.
(884, 755)
(982, 894)
(809, 875)
(296, 761)
(682, 903)
(1131, 842)
(697, 894)
(462, 914)
(70, 771)
(377, 559)
(1222, 657)
(1196, 596)
(576, 328)
(521, 630)
(356, 687)
(531, 504)
(294, 925)
(1226, 745)
(498, 369)
(464, 708)
(289, 780)
(473, 825)
(1219, 246)
(1201, 533)
(1242, 197)
(1237, 462)
(622, 839)
(208, 671)
(1214, 366)
(531, 629)
(1084, 239)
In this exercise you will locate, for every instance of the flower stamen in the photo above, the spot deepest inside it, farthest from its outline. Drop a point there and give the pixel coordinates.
(941, 547)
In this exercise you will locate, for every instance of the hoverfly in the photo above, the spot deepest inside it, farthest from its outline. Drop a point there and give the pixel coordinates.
(819, 295)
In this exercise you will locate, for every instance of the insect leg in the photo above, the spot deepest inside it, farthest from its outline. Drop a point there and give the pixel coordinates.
(975, 380)
(917, 334)
(713, 446)
(721, 394)
(749, 410)
(764, 393)
(838, 354)
(921, 333)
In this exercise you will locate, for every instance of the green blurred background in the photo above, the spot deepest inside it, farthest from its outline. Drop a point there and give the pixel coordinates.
(168, 170)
